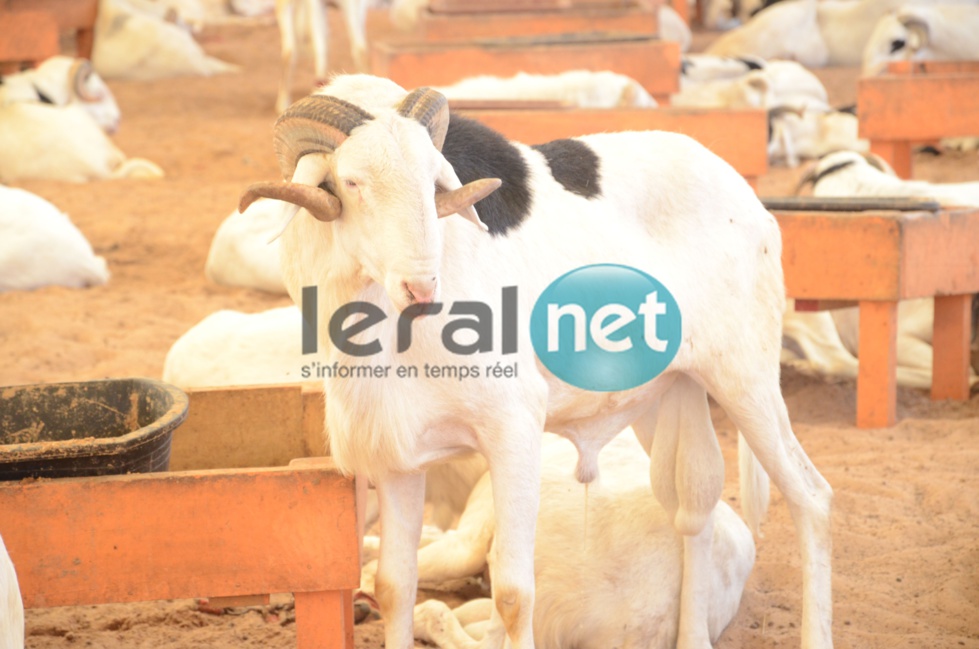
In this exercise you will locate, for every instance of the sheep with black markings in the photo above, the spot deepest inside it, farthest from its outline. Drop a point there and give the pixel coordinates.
(63, 81)
(923, 33)
(370, 169)
(827, 342)
(815, 33)
(608, 562)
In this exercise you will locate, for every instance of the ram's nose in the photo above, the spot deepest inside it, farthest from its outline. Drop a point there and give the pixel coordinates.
(422, 290)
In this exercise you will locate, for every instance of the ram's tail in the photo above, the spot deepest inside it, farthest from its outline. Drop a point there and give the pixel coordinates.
(754, 487)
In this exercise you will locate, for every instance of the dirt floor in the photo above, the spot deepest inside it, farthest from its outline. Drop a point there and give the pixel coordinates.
(906, 517)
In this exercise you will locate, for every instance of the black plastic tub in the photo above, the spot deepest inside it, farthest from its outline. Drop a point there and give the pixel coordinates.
(111, 426)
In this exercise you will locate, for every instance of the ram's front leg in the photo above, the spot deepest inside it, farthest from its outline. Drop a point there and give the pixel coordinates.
(515, 474)
(401, 498)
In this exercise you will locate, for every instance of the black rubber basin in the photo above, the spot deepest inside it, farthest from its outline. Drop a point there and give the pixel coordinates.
(111, 426)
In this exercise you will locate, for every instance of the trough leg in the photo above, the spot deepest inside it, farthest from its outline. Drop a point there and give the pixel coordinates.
(401, 498)
(877, 374)
(950, 344)
(325, 620)
(895, 153)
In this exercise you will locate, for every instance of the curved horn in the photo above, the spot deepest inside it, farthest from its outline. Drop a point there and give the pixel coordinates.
(79, 73)
(917, 28)
(315, 124)
(431, 109)
(323, 205)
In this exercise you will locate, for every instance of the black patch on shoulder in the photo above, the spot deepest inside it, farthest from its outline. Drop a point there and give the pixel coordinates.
(851, 109)
(574, 165)
(477, 151)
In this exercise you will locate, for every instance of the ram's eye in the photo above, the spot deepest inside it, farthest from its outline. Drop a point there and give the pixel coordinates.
(897, 44)
(349, 184)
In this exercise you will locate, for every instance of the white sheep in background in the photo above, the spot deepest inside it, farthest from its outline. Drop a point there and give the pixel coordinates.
(812, 133)
(298, 18)
(673, 28)
(134, 44)
(241, 252)
(40, 246)
(63, 81)
(365, 159)
(608, 563)
(234, 348)
(11, 604)
(827, 341)
(701, 68)
(812, 32)
(41, 141)
(578, 88)
(720, 82)
(941, 32)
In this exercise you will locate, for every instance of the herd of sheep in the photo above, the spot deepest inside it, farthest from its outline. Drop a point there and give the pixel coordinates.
(56, 123)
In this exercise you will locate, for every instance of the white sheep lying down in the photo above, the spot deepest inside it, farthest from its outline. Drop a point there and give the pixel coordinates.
(608, 563)
(241, 253)
(132, 43)
(40, 246)
(371, 169)
(828, 341)
(578, 88)
(53, 125)
(11, 604)
(942, 32)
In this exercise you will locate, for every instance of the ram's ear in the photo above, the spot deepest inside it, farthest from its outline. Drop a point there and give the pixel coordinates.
(918, 32)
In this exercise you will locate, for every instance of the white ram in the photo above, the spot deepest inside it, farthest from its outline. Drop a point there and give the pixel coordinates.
(815, 33)
(241, 253)
(608, 562)
(826, 342)
(131, 43)
(941, 32)
(40, 246)
(578, 88)
(372, 167)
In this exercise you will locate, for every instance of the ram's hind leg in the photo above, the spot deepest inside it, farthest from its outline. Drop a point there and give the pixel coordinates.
(759, 411)
(687, 476)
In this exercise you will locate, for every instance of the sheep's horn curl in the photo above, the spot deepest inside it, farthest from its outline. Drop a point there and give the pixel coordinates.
(315, 124)
(431, 109)
(323, 205)
(79, 73)
(918, 28)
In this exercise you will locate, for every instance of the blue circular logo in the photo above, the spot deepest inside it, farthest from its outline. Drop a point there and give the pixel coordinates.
(605, 327)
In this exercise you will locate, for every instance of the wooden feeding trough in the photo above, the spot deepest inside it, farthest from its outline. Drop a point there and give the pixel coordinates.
(28, 37)
(867, 253)
(738, 136)
(71, 16)
(918, 102)
(653, 63)
(234, 517)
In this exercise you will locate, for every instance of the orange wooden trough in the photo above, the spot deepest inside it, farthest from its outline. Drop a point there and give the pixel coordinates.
(257, 525)
(916, 102)
(74, 16)
(738, 136)
(875, 259)
(653, 63)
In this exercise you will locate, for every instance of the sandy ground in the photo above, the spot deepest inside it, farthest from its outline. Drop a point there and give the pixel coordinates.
(906, 554)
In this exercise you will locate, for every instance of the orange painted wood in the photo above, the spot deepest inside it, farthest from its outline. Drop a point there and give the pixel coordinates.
(895, 153)
(27, 38)
(878, 258)
(654, 64)
(738, 136)
(682, 7)
(325, 620)
(933, 67)
(877, 373)
(951, 336)
(177, 535)
(441, 27)
(918, 107)
(71, 16)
